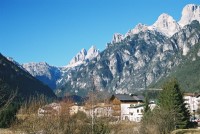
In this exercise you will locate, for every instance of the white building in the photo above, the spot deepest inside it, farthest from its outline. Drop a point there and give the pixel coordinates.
(122, 102)
(129, 106)
(192, 101)
(136, 111)
(50, 109)
(75, 109)
(99, 110)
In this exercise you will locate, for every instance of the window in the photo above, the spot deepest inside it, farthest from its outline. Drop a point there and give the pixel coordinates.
(142, 110)
(138, 111)
(132, 105)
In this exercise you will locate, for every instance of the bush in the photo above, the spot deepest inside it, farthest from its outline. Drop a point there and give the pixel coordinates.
(8, 115)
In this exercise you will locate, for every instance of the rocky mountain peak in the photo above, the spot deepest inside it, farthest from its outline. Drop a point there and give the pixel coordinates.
(117, 37)
(44, 72)
(92, 53)
(190, 12)
(166, 25)
(78, 59)
(83, 57)
(36, 69)
(83, 51)
(138, 28)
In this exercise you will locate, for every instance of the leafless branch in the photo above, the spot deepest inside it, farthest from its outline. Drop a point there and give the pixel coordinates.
(5, 101)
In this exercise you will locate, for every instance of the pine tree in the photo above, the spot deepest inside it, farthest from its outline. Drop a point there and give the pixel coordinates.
(171, 100)
(146, 104)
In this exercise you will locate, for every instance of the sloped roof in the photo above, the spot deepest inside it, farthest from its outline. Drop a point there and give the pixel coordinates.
(127, 97)
(137, 106)
(192, 94)
(139, 97)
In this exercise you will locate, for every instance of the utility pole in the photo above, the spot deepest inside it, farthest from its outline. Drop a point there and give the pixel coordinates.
(145, 81)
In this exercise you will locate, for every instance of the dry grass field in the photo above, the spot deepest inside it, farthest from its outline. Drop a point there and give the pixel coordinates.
(186, 131)
(5, 131)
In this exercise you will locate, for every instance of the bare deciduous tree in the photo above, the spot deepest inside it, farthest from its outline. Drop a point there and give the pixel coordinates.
(6, 99)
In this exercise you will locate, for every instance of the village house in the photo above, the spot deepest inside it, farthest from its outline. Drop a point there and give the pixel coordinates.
(192, 101)
(122, 102)
(136, 111)
(122, 106)
(99, 110)
(50, 109)
(75, 109)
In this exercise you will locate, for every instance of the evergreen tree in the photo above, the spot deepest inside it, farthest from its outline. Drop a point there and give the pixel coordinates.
(171, 100)
(8, 115)
(146, 106)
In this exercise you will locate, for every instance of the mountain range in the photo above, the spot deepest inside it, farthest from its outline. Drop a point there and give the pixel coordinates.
(13, 79)
(145, 55)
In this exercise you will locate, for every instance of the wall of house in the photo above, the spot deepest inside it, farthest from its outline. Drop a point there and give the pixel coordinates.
(125, 111)
(116, 107)
(192, 103)
(136, 114)
(73, 110)
(99, 111)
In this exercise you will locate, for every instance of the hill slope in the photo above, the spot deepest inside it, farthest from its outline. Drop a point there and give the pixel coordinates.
(187, 72)
(14, 78)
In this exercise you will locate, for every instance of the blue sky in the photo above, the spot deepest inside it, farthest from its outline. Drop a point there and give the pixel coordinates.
(55, 30)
